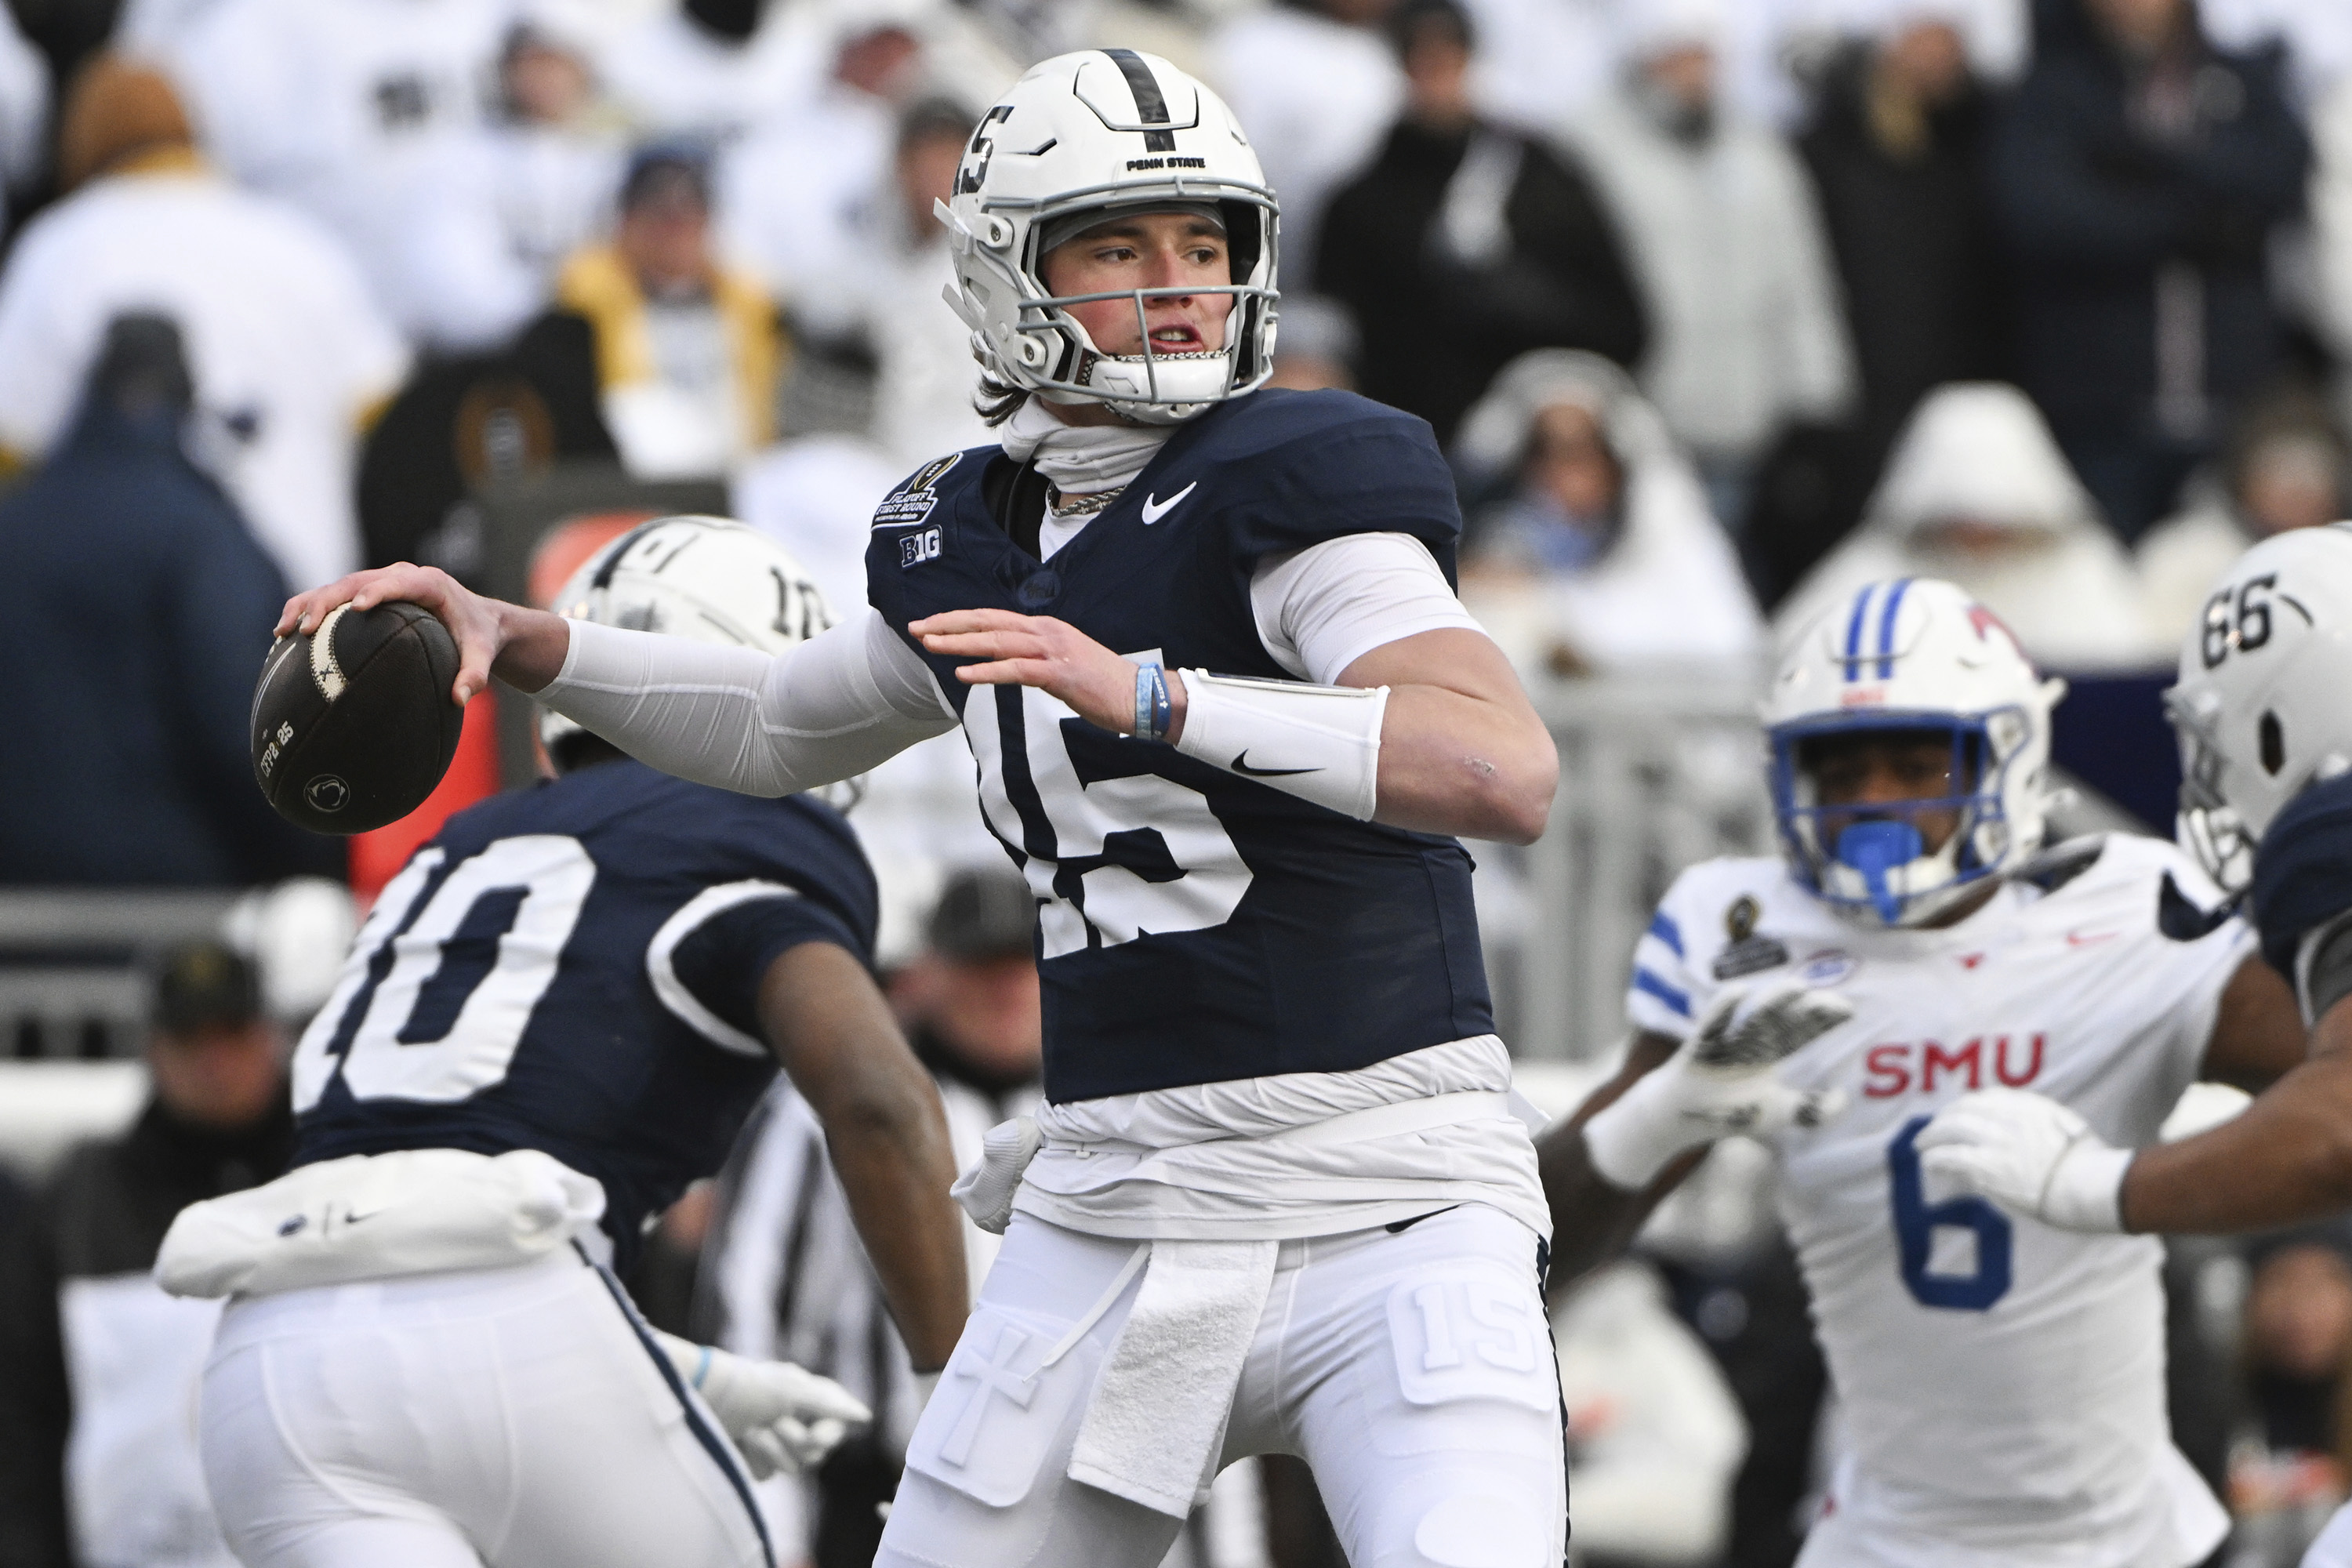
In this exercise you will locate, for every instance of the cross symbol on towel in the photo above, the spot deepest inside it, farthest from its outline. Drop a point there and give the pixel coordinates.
(993, 1375)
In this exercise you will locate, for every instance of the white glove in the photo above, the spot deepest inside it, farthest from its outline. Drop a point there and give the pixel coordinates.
(1720, 1082)
(781, 1416)
(986, 1190)
(2030, 1156)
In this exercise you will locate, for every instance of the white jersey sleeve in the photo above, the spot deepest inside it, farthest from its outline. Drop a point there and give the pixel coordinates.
(1666, 988)
(847, 699)
(1321, 609)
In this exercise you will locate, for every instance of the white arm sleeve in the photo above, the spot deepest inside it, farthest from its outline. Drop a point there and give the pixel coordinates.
(841, 702)
(1321, 609)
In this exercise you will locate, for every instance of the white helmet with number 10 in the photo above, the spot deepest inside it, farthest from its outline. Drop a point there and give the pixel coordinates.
(1107, 131)
(709, 578)
(2264, 707)
(1915, 656)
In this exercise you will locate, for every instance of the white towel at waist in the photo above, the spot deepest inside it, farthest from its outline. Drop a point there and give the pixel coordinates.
(1248, 1161)
(1156, 1420)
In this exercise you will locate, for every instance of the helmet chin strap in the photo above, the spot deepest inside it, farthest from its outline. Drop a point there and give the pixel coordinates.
(1875, 849)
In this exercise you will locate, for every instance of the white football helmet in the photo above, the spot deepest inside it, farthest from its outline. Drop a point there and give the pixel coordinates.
(2264, 707)
(709, 578)
(1106, 130)
(1910, 654)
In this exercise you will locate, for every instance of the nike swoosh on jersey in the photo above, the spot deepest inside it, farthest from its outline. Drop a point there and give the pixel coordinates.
(1241, 766)
(1154, 509)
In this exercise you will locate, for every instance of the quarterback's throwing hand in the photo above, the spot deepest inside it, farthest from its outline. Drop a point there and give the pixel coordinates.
(1052, 656)
(472, 620)
(2030, 1156)
(1720, 1082)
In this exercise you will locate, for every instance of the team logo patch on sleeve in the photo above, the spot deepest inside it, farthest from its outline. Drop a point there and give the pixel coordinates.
(913, 500)
(1748, 953)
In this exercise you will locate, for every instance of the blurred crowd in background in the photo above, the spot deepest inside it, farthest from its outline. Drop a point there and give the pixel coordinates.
(1720, 307)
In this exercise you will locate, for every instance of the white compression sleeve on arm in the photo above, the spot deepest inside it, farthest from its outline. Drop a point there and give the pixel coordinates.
(836, 705)
(1318, 743)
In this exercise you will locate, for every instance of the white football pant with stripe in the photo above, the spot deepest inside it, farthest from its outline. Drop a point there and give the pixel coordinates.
(514, 1417)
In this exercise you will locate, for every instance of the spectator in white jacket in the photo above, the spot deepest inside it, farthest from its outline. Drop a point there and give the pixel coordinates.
(1746, 333)
(1977, 493)
(288, 352)
(365, 111)
(1318, 86)
(1654, 1437)
(1595, 552)
(2286, 467)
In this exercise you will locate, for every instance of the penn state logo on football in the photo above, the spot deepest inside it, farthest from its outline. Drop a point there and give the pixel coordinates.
(327, 793)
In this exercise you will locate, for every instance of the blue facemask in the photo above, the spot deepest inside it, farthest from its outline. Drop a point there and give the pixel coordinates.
(1875, 849)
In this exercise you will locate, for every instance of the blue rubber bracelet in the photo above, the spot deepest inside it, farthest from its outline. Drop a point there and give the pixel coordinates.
(702, 1367)
(1152, 711)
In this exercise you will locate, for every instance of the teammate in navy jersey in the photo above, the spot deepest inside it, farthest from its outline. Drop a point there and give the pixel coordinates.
(586, 985)
(1227, 715)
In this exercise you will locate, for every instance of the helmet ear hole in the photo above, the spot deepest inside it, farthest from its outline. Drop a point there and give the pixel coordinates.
(2273, 741)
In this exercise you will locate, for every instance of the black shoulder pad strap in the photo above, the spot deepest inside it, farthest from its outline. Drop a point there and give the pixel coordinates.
(2061, 863)
(1016, 494)
(2181, 920)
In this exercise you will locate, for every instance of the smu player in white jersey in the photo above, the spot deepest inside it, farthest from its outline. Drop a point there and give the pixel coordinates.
(1227, 713)
(2002, 1381)
(2266, 803)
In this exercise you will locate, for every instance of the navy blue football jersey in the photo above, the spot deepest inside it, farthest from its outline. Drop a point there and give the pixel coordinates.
(572, 969)
(2302, 872)
(1195, 926)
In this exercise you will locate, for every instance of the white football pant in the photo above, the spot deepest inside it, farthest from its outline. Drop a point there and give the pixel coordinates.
(1413, 1370)
(517, 1417)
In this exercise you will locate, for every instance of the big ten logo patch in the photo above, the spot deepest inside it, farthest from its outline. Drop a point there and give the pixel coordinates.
(1476, 1334)
(1904, 1068)
(916, 548)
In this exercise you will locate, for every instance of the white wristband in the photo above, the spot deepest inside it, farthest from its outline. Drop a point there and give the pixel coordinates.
(2087, 1188)
(1631, 1138)
(1321, 743)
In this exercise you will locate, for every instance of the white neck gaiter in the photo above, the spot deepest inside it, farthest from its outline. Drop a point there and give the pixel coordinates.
(1080, 460)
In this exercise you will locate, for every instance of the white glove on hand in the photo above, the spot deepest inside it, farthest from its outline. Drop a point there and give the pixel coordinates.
(2030, 1154)
(1720, 1082)
(986, 1190)
(780, 1417)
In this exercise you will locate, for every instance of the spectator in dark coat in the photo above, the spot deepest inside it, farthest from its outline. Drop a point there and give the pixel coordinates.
(1896, 148)
(135, 613)
(1464, 244)
(97, 1367)
(2137, 173)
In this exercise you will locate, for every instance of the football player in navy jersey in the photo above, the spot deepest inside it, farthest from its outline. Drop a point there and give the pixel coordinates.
(558, 1014)
(1227, 715)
